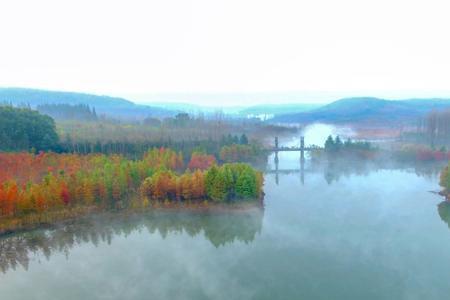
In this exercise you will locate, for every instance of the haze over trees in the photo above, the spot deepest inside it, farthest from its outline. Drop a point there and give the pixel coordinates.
(436, 127)
(108, 136)
(336, 148)
(64, 111)
(336, 145)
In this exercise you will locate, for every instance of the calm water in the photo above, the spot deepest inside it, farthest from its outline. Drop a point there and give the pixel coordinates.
(345, 233)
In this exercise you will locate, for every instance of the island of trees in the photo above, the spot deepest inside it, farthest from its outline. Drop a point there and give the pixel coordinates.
(42, 180)
(37, 188)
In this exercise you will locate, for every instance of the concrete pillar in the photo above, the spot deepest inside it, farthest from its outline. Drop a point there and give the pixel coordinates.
(302, 148)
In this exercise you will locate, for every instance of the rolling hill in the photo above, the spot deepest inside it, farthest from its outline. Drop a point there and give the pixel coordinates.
(367, 110)
(104, 105)
(278, 109)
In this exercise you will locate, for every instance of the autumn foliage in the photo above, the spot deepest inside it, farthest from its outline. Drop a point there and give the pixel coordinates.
(421, 153)
(432, 155)
(229, 182)
(201, 161)
(237, 152)
(36, 184)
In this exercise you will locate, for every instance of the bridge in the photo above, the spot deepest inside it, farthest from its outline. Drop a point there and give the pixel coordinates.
(302, 149)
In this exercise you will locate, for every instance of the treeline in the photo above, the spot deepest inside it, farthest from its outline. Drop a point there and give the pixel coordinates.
(349, 148)
(182, 127)
(137, 148)
(419, 152)
(22, 129)
(239, 152)
(25, 129)
(61, 111)
(180, 132)
(435, 127)
(336, 145)
(49, 182)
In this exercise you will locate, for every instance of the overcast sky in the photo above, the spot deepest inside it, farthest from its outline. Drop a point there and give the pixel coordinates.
(390, 48)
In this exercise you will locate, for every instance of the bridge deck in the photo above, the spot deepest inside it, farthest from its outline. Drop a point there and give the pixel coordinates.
(288, 149)
(288, 171)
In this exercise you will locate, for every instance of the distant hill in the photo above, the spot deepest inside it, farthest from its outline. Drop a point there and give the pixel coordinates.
(104, 105)
(367, 110)
(278, 109)
(236, 111)
(177, 106)
(194, 109)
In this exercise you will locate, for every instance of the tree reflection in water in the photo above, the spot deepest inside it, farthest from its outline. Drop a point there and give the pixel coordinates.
(220, 228)
(333, 171)
(444, 212)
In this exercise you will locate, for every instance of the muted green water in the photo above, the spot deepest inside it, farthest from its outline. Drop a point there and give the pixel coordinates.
(358, 234)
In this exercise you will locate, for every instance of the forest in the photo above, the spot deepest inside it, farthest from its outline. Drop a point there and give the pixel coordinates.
(88, 133)
(400, 151)
(37, 188)
(62, 111)
(431, 130)
(335, 148)
(57, 170)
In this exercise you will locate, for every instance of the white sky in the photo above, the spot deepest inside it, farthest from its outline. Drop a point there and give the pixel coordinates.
(138, 48)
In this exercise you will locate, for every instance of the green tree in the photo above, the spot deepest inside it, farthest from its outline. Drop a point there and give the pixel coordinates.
(243, 139)
(215, 183)
(338, 144)
(329, 144)
(23, 129)
(246, 184)
(210, 178)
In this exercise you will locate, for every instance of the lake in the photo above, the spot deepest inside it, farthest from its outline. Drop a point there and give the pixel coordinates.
(353, 232)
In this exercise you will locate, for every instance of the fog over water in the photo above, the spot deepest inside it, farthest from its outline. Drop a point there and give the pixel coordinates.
(366, 233)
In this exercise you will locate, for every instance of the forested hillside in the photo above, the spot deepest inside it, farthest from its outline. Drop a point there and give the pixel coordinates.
(278, 109)
(104, 105)
(61, 111)
(368, 111)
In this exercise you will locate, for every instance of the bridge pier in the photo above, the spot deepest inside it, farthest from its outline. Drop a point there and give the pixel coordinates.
(302, 148)
(302, 170)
